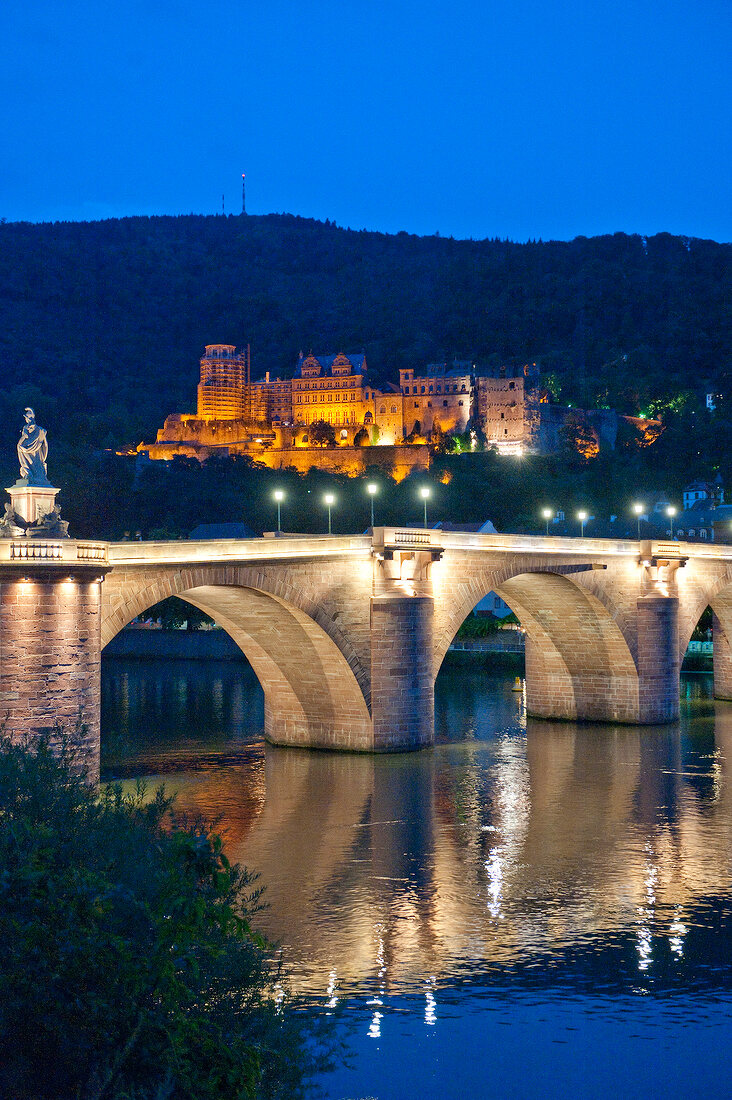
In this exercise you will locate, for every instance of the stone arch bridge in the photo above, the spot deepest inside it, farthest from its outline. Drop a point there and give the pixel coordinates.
(347, 633)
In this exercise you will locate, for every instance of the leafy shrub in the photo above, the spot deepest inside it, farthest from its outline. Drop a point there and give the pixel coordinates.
(129, 968)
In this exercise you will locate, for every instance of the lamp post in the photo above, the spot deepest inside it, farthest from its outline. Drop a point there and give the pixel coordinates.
(671, 512)
(582, 517)
(372, 489)
(639, 509)
(425, 493)
(279, 497)
(547, 514)
(329, 501)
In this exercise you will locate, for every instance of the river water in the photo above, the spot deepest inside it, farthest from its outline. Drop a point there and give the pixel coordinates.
(530, 909)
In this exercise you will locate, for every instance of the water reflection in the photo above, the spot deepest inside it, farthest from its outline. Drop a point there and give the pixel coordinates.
(516, 844)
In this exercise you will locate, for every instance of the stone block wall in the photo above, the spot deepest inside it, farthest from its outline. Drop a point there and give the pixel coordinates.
(658, 659)
(50, 654)
(402, 692)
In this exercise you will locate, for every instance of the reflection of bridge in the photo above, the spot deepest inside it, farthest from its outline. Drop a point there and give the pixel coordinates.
(488, 854)
(346, 634)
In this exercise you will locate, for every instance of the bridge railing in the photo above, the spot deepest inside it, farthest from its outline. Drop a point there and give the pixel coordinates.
(310, 546)
(411, 538)
(53, 552)
(190, 552)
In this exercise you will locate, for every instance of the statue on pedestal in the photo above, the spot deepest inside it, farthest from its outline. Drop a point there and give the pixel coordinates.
(33, 451)
(33, 512)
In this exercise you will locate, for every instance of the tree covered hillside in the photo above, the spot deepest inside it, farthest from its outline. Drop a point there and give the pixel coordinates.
(102, 324)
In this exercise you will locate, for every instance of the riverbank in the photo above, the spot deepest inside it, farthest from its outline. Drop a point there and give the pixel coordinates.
(193, 645)
(501, 652)
(150, 644)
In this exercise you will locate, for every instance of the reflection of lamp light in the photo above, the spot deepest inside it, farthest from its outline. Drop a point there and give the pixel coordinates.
(279, 497)
(430, 1015)
(331, 991)
(329, 501)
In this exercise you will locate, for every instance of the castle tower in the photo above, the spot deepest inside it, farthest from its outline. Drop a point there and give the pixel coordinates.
(223, 389)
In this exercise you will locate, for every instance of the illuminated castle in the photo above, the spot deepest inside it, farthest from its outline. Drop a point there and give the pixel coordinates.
(272, 418)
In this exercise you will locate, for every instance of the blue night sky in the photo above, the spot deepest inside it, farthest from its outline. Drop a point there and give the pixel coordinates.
(526, 118)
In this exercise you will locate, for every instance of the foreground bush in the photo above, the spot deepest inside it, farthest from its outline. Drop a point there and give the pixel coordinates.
(128, 967)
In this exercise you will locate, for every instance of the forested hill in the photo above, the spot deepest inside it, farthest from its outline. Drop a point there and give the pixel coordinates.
(102, 324)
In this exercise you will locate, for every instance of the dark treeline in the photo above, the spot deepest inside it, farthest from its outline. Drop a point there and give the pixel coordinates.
(102, 325)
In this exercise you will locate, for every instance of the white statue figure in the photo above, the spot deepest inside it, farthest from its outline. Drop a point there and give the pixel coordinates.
(33, 450)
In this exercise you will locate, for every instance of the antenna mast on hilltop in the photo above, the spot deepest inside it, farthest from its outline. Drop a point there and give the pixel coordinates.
(243, 194)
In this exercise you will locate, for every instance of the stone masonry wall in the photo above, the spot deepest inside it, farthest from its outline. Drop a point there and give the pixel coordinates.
(50, 654)
(402, 693)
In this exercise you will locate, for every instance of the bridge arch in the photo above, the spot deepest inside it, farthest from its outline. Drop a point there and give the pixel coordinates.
(312, 692)
(579, 664)
(713, 590)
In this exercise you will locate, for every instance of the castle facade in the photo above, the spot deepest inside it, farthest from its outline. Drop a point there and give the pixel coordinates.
(275, 414)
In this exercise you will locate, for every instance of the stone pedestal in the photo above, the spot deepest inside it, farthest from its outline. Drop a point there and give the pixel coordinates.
(32, 502)
(658, 659)
(402, 693)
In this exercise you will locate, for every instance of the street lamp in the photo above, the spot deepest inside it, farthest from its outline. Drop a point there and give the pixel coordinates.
(671, 512)
(639, 509)
(279, 497)
(547, 514)
(425, 492)
(582, 517)
(372, 489)
(329, 501)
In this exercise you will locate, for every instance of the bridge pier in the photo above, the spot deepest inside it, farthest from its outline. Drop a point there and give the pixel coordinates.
(402, 692)
(50, 655)
(658, 658)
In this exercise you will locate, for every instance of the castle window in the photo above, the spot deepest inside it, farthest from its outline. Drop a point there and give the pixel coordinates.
(382, 409)
(393, 408)
(422, 389)
(445, 404)
(430, 389)
(460, 402)
(512, 385)
(503, 415)
(416, 404)
(702, 532)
